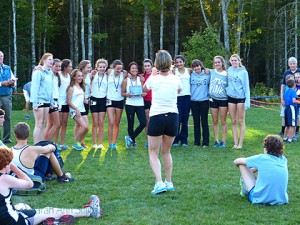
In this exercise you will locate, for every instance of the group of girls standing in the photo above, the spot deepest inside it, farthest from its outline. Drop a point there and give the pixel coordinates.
(60, 92)
(219, 89)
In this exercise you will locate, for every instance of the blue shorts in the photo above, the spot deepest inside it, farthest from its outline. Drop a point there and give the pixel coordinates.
(250, 194)
(41, 166)
(290, 115)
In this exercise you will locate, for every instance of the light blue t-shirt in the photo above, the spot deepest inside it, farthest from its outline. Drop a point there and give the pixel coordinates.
(217, 86)
(272, 180)
(199, 86)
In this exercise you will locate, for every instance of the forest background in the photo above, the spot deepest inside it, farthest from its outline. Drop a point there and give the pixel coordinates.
(264, 32)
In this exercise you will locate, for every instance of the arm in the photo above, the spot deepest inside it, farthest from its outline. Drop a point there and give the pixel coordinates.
(240, 161)
(22, 182)
(281, 94)
(246, 87)
(35, 88)
(69, 101)
(296, 101)
(124, 92)
(43, 149)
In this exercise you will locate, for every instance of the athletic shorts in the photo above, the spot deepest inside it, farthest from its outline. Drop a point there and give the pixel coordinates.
(43, 105)
(236, 100)
(115, 104)
(40, 166)
(87, 108)
(214, 103)
(147, 104)
(163, 124)
(64, 109)
(73, 114)
(26, 96)
(250, 194)
(97, 105)
(26, 216)
(290, 115)
(282, 109)
(54, 107)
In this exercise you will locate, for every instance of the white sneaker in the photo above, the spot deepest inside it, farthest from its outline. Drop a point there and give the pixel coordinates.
(95, 146)
(100, 146)
(159, 187)
(169, 186)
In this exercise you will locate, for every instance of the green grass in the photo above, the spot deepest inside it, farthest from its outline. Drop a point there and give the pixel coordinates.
(206, 181)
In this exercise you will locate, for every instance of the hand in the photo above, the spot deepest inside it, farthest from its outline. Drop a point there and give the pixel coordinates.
(282, 102)
(207, 72)
(93, 73)
(35, 108)
(86, 101)
(142, 78)
(144, 94)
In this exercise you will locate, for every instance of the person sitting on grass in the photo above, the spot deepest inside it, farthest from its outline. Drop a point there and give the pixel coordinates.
(9, 215)
(270, 185)
(35, 159)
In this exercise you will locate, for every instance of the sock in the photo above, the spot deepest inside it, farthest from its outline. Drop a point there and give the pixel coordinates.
(282, 129)
(297, 129)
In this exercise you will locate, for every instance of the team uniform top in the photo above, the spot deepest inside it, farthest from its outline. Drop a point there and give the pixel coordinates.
(62, 90)
(288, 96)
(272, 180)
(218, 84)
(238, 84)
(114, 91)
(17, 161)
(199, 86)
(164, 93)
(99, 86)
(135, 100)
(185, 81)
(148, 96)
(77, 99)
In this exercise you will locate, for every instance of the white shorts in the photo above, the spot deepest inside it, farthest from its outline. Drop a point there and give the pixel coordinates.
(282, 108)
(26, 95)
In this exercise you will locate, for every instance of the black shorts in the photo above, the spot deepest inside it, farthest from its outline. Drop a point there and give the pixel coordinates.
(236, 100)
(43, 105)
(64, 109)
(147, 104)
(115, 104)
(290, 116)
(40, 166)
(54, 107)
(97, 104)
(163, 124)
(214, 103)
(87, 108)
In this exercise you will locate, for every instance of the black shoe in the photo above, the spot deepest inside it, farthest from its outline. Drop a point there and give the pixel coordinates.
(7, 141)
(65, 179)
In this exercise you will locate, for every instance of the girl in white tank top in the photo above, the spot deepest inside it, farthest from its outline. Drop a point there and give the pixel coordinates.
(75, 99)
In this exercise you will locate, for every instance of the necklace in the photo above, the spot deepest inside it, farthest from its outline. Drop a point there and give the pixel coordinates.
(117, 85)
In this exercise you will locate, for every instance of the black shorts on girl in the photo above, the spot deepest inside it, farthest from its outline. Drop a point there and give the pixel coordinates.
(163, 124)
(147, 104)
(54, 107)
(87, 108)
(214, 103)
(64, 109)
(236, 100)
(43, 105)
(97, 105)
(115, 104)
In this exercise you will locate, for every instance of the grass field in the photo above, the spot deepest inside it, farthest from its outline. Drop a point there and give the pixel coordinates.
(206, 181)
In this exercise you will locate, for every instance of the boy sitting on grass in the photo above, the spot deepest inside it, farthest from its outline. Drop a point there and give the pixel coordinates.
(270, 185)
(35, 159)
(28, 216)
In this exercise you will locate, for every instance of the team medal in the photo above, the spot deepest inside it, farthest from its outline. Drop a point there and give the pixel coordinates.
(117, 85)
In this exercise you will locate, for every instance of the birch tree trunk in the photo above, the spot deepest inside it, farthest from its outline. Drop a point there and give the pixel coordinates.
(239, 25)
(72, 30)
(76, 48)
(161, 33)
(82, 30)
(14, 38)
(296, 29)
(146, 17)
(225, 4)
(204, 15)
(45, 30)
(32, 35)
(150, 40)
(90, 31)
(176, 32)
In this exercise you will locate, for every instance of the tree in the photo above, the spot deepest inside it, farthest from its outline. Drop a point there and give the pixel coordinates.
(90, 31)
(176, 32)
(225, 4)
(161, 33)
(82, 30)
(14, 37)
(33, 59)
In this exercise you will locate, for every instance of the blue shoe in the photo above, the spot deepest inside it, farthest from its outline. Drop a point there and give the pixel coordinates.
(128, 141)
(111, 146)
(77, 146)
(295, 138)
(222, 144)
(27, 117)
(184, 145)
(159, 187)
(169, 186)
(64, 147)
(146, 144)
(58, 147)
(175, 145)
(134, 145)
(217, 144)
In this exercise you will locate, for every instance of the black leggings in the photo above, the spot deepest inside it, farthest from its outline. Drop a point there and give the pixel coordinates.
(140, 112)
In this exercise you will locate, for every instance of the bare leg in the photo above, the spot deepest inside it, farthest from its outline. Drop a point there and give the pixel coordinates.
(101, 126)
(241, 118)
(52, 125)
(118, 116)
(248, 177)
(167, 142)
(153, 148)
(214, 113)
(233, 115)
(81, 128)
(147, 121)
(63, 128)
(95, 127)
(27, 107)
(223, 116)
(41, 116)
(111, 119)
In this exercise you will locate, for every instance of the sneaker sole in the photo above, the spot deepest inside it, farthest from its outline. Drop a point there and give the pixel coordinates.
(160, 191)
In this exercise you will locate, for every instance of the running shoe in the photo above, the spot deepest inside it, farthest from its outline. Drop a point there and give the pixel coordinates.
(184, 145)
(64, 147)
(100, 146)
(244, 191)
(146, 144)
(65, 179)
(128, 141)
(222, 144)
(77, 146)
(27, 117)
(58, 147)
(83, 144)
(159, 187)
(169, 186)
(134, 145)
(95, 146)
(95, 206)
(216, 144)
(64, 220)
(175, 145)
